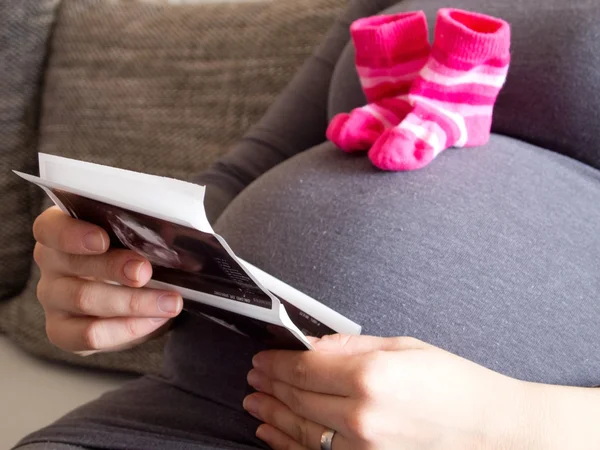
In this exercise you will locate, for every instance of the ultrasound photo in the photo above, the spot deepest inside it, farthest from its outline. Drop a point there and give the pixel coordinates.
(179, 255)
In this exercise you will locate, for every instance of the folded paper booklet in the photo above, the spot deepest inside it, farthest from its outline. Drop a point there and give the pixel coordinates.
(163, 219)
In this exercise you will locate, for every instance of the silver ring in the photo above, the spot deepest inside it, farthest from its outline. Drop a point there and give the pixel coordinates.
(327, 439)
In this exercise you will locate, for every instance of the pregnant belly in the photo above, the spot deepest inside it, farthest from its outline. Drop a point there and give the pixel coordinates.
(491, 253)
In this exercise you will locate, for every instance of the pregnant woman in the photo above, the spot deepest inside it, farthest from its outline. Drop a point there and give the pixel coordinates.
(476, 279)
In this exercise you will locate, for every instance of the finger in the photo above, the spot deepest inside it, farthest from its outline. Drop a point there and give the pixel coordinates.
(57, 230)
(328, 410)
(119, 348)
(315, 371)
(353, 345)
(121, 266)
(273, 412)
(84, 334)
(93, 298)
(276, 439)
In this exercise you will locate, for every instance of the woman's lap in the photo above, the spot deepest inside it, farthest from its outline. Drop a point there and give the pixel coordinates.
(490, 253)
(150, 413)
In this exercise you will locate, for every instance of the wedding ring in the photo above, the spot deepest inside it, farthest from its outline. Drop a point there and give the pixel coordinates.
(327, 439)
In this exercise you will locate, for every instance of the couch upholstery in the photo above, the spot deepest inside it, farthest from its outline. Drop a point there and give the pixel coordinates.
(27, 23)
(150, 86)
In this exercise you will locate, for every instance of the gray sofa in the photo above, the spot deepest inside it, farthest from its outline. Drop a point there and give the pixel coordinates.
(150, 86)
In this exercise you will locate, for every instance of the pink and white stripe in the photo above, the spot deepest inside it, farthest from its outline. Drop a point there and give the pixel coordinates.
(381, 82)
(454, 95)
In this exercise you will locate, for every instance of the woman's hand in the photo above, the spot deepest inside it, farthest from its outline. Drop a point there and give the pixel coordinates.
(376, 393)
(85, 314)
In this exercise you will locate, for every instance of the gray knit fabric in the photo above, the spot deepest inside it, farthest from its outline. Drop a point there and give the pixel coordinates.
(24, 27)
(491, 253)
(162, 89)
(168, 88)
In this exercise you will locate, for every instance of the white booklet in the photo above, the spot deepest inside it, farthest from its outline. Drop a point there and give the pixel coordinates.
(163, 219)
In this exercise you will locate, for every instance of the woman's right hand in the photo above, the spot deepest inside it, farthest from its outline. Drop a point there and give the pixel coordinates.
(85, 314)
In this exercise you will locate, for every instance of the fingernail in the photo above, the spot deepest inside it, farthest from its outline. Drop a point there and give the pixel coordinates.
(254, 379)
(257, 361)
(94, 241)
(261, 433)
(251, 405)
(168, 303)
(132, 270)
(88, 353)
(159, 319)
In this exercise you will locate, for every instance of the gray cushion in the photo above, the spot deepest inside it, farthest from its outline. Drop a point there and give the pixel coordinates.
(24, 26)
(550, 98)
(167, 88)
(163, 89)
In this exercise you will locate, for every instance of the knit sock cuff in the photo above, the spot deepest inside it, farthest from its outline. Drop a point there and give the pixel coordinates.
(471, 36)
(387, 38)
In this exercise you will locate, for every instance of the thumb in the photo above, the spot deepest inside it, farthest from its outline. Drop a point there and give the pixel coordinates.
(353, 345)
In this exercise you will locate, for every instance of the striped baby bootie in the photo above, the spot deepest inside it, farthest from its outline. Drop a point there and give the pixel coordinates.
(452, 99)
(390, 52)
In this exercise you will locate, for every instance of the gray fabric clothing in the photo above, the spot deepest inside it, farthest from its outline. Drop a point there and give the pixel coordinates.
(491, 253)
(487, 253)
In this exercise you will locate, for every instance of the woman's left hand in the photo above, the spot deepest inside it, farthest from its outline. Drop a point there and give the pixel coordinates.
(383, 393)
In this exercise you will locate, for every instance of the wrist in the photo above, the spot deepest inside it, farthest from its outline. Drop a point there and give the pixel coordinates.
(548, 417)
(563, 417)
(509, 417)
